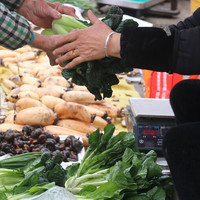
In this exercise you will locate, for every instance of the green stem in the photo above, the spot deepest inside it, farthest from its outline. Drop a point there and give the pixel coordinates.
(86, 177)
(95, 183)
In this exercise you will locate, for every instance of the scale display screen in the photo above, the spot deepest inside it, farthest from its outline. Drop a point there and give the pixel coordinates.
(151, 136)
(148, 130)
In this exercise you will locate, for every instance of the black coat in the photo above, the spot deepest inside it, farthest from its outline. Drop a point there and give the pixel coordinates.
(152, 48)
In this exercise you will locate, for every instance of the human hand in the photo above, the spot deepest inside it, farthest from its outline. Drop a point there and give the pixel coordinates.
(42, 13)
(46, 43)
(87, 44)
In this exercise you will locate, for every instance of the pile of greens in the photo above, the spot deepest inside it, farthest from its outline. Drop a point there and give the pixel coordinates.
(83, 4)
(99, 75)
(20, 179)
(113, 168)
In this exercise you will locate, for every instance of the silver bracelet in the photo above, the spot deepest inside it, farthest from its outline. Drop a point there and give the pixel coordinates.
(106, 43)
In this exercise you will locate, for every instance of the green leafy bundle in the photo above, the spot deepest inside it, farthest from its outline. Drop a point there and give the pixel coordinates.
(36, 176)
(99, 75)
(113, 168)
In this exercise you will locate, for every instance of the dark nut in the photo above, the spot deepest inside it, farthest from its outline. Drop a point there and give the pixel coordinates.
(26, 147)
(18, 151)
(50, 142)
(56, 138)
(73, 155)
(77, 145)
(61, 147)
(67, 141)
(9, 135)
(27, 130)
(38, 131)
(42, 138)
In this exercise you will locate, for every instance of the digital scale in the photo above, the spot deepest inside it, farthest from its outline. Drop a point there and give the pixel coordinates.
(149, 119)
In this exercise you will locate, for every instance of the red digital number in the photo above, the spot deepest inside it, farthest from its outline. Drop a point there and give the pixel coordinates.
(150, 132)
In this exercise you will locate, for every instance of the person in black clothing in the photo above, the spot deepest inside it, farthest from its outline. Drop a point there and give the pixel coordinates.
(171, 49)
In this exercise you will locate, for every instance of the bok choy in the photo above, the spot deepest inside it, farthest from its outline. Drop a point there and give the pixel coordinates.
(113, 168)
(98, 75)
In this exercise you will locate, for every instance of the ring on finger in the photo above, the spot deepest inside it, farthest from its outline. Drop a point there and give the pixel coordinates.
(73, 53)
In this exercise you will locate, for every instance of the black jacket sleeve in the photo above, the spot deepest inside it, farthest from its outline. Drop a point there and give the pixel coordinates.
(152, 48)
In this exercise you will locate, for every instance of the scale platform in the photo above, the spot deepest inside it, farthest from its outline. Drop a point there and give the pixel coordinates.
(149, 119)
(133, 4)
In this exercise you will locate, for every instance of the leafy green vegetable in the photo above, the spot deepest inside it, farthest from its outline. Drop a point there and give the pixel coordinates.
(41, 171)
(105, 191)
(57, 175)
(19, 161)
(113, 168)
(48, 31)
(125, 23)
(98, 75)
(65, 24)
(32, 177)
(52, 193)
(31, 192)
(9, 178)
(3, 196)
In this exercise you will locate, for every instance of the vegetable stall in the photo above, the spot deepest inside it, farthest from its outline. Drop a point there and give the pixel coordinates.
(112, 168)
(57, 134)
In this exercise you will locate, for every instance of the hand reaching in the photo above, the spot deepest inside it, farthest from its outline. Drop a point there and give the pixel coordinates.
(42, 13)
(86, 44)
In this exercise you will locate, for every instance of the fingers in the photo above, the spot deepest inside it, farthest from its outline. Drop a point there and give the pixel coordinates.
(63, 49)
(74, 62)
(63, 9)
(63, 39)
(69, 11)
(93, 19)
(67, 56)
(51, 11)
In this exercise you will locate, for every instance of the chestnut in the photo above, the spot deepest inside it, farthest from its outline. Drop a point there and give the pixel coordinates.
(9, 135)
(67, 141)
(50, 142)
(36, 132)
(73, 155)
(42, 138)
(27, 130)
(77, 145)
(56, 138)
(19, 151)
(61, 147)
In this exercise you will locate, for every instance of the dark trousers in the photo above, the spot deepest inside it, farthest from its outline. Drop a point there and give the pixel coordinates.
(181, 145)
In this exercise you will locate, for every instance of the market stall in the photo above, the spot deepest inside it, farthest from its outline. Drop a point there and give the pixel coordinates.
(62, 140)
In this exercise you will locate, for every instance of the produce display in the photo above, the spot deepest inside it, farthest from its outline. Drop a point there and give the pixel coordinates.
(32, 139)
(44, 103)
(38, 95)
(98, 75)
(34, 176)
(112, 168)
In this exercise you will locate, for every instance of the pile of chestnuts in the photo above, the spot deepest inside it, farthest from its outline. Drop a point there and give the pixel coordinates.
(32, 139)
